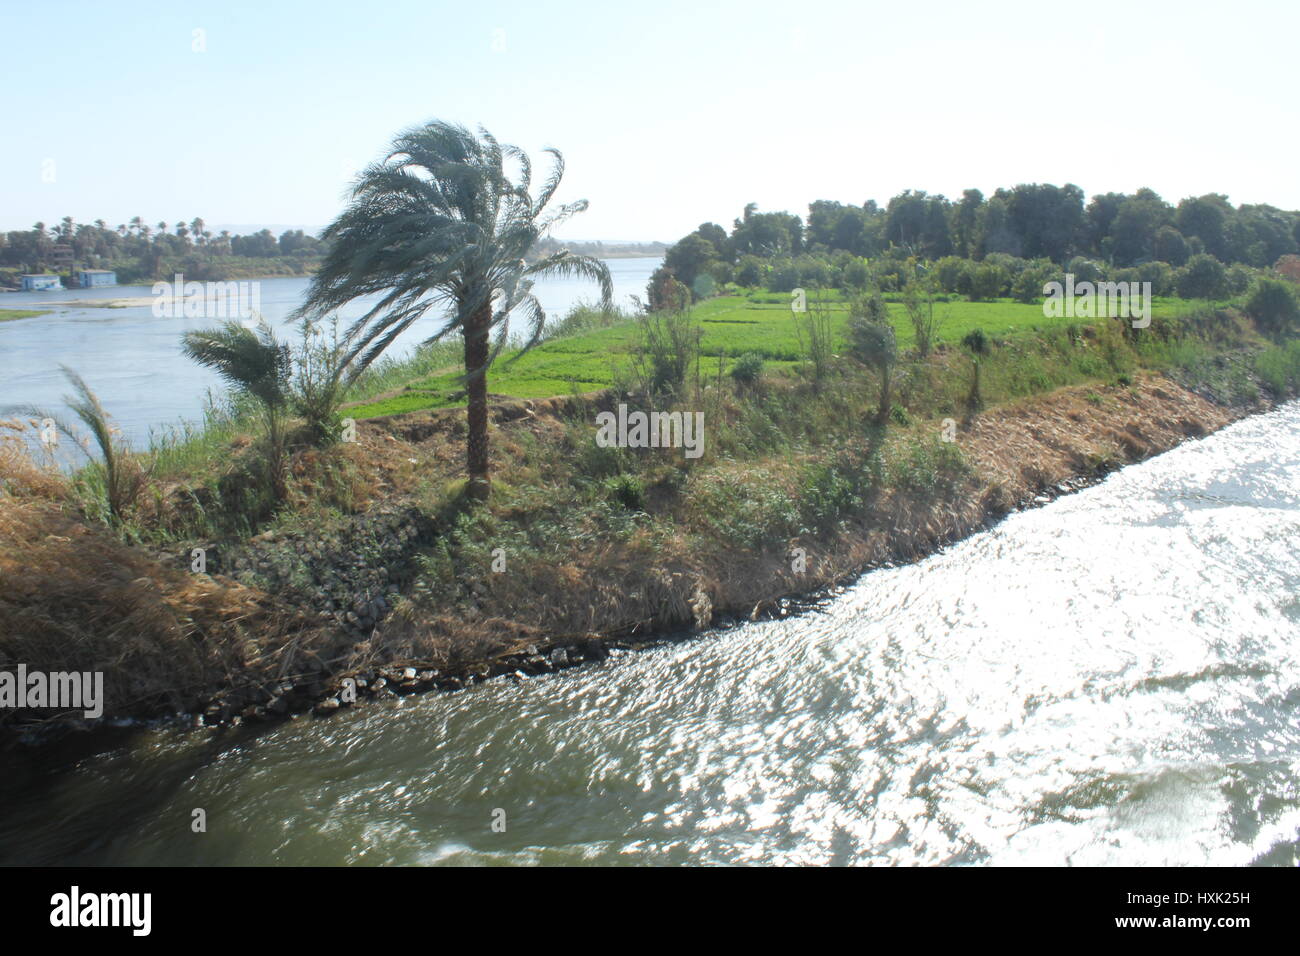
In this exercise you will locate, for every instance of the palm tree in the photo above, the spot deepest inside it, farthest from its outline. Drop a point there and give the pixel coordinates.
(257, 365)
(440, 224)
(123, 477)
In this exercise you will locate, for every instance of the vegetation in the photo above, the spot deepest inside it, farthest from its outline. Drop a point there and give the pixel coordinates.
(259, 367)
(9, 315)
(822, 428)
(138, 252)
(440, 224)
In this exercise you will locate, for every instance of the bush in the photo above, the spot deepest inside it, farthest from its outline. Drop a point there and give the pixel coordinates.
(627, 491)
(1086, 270)
(1028, 286)
(667, 345)
(989, 282)
(749, 271)
(1160, 275)
(830, 493)
(1274, 307)
(1202, 278)
(748, 369)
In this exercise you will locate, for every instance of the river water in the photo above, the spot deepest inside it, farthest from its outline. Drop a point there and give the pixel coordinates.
(1110, 679)
(133, 361)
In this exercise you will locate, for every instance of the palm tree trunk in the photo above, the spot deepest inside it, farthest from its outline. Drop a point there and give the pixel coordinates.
(476, 356)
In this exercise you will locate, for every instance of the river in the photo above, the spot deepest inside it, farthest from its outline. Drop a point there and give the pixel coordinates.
(133, 362)
(1109, 679)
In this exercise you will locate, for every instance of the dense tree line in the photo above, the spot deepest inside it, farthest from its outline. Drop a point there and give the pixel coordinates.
(1032, 229)
(138, 251)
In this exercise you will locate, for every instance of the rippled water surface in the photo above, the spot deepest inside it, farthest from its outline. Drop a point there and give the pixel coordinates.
(1110, 679)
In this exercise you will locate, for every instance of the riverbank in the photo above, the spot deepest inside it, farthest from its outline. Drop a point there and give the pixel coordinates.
(209, 603)
(1024, 454)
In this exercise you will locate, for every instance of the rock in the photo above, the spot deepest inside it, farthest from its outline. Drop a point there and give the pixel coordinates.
(559, 657)
(408, 673)
(327, 706)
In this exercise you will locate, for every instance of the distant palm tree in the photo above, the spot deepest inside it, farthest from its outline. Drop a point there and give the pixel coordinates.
(440, 224)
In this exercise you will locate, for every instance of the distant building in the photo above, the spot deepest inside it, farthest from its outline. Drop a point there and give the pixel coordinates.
(40, 283)
(96, 278)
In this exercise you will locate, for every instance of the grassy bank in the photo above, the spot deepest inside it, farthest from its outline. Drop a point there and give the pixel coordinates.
(376, 562)
(9, 315)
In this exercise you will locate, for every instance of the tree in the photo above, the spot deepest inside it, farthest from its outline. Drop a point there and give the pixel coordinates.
(124, 479)
(688, 259)
(767, 234)
(872, 341)
(1048, 219)
(255, 364)
(440, 224)
(965, 217)
(1202, 278)
(1206, 218)
(1139, 220)
(978, 344)
(1170, 246)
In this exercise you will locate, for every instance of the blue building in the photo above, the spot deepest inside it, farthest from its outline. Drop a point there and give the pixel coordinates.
(40, 283)
(96, 278)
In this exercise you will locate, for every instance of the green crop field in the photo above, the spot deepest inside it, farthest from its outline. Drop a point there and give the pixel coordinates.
(8, 315)
(758, 321)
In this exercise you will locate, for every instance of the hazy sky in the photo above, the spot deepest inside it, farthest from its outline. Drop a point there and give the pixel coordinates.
(668, 114)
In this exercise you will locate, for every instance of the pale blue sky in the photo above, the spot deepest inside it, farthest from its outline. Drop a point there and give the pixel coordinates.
(669, 114)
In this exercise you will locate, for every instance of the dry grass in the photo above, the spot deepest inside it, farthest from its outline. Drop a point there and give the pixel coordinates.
(75, 598)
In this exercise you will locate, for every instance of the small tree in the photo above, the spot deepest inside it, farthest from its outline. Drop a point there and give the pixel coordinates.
(872, 341)
(667, 345)
(918, 300)
(255, 364)
(815, 332)
(123, 477)
(978, 344)
(318, 382)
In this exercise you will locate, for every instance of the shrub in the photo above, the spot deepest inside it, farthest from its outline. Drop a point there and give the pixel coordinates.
(989, 282)
(748, 369)
(872, 342)
(1274, 306)
(626, 490)
(667, 345)
(1202, 278)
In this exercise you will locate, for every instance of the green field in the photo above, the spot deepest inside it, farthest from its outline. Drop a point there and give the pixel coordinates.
(8, 315)
(757, 321)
